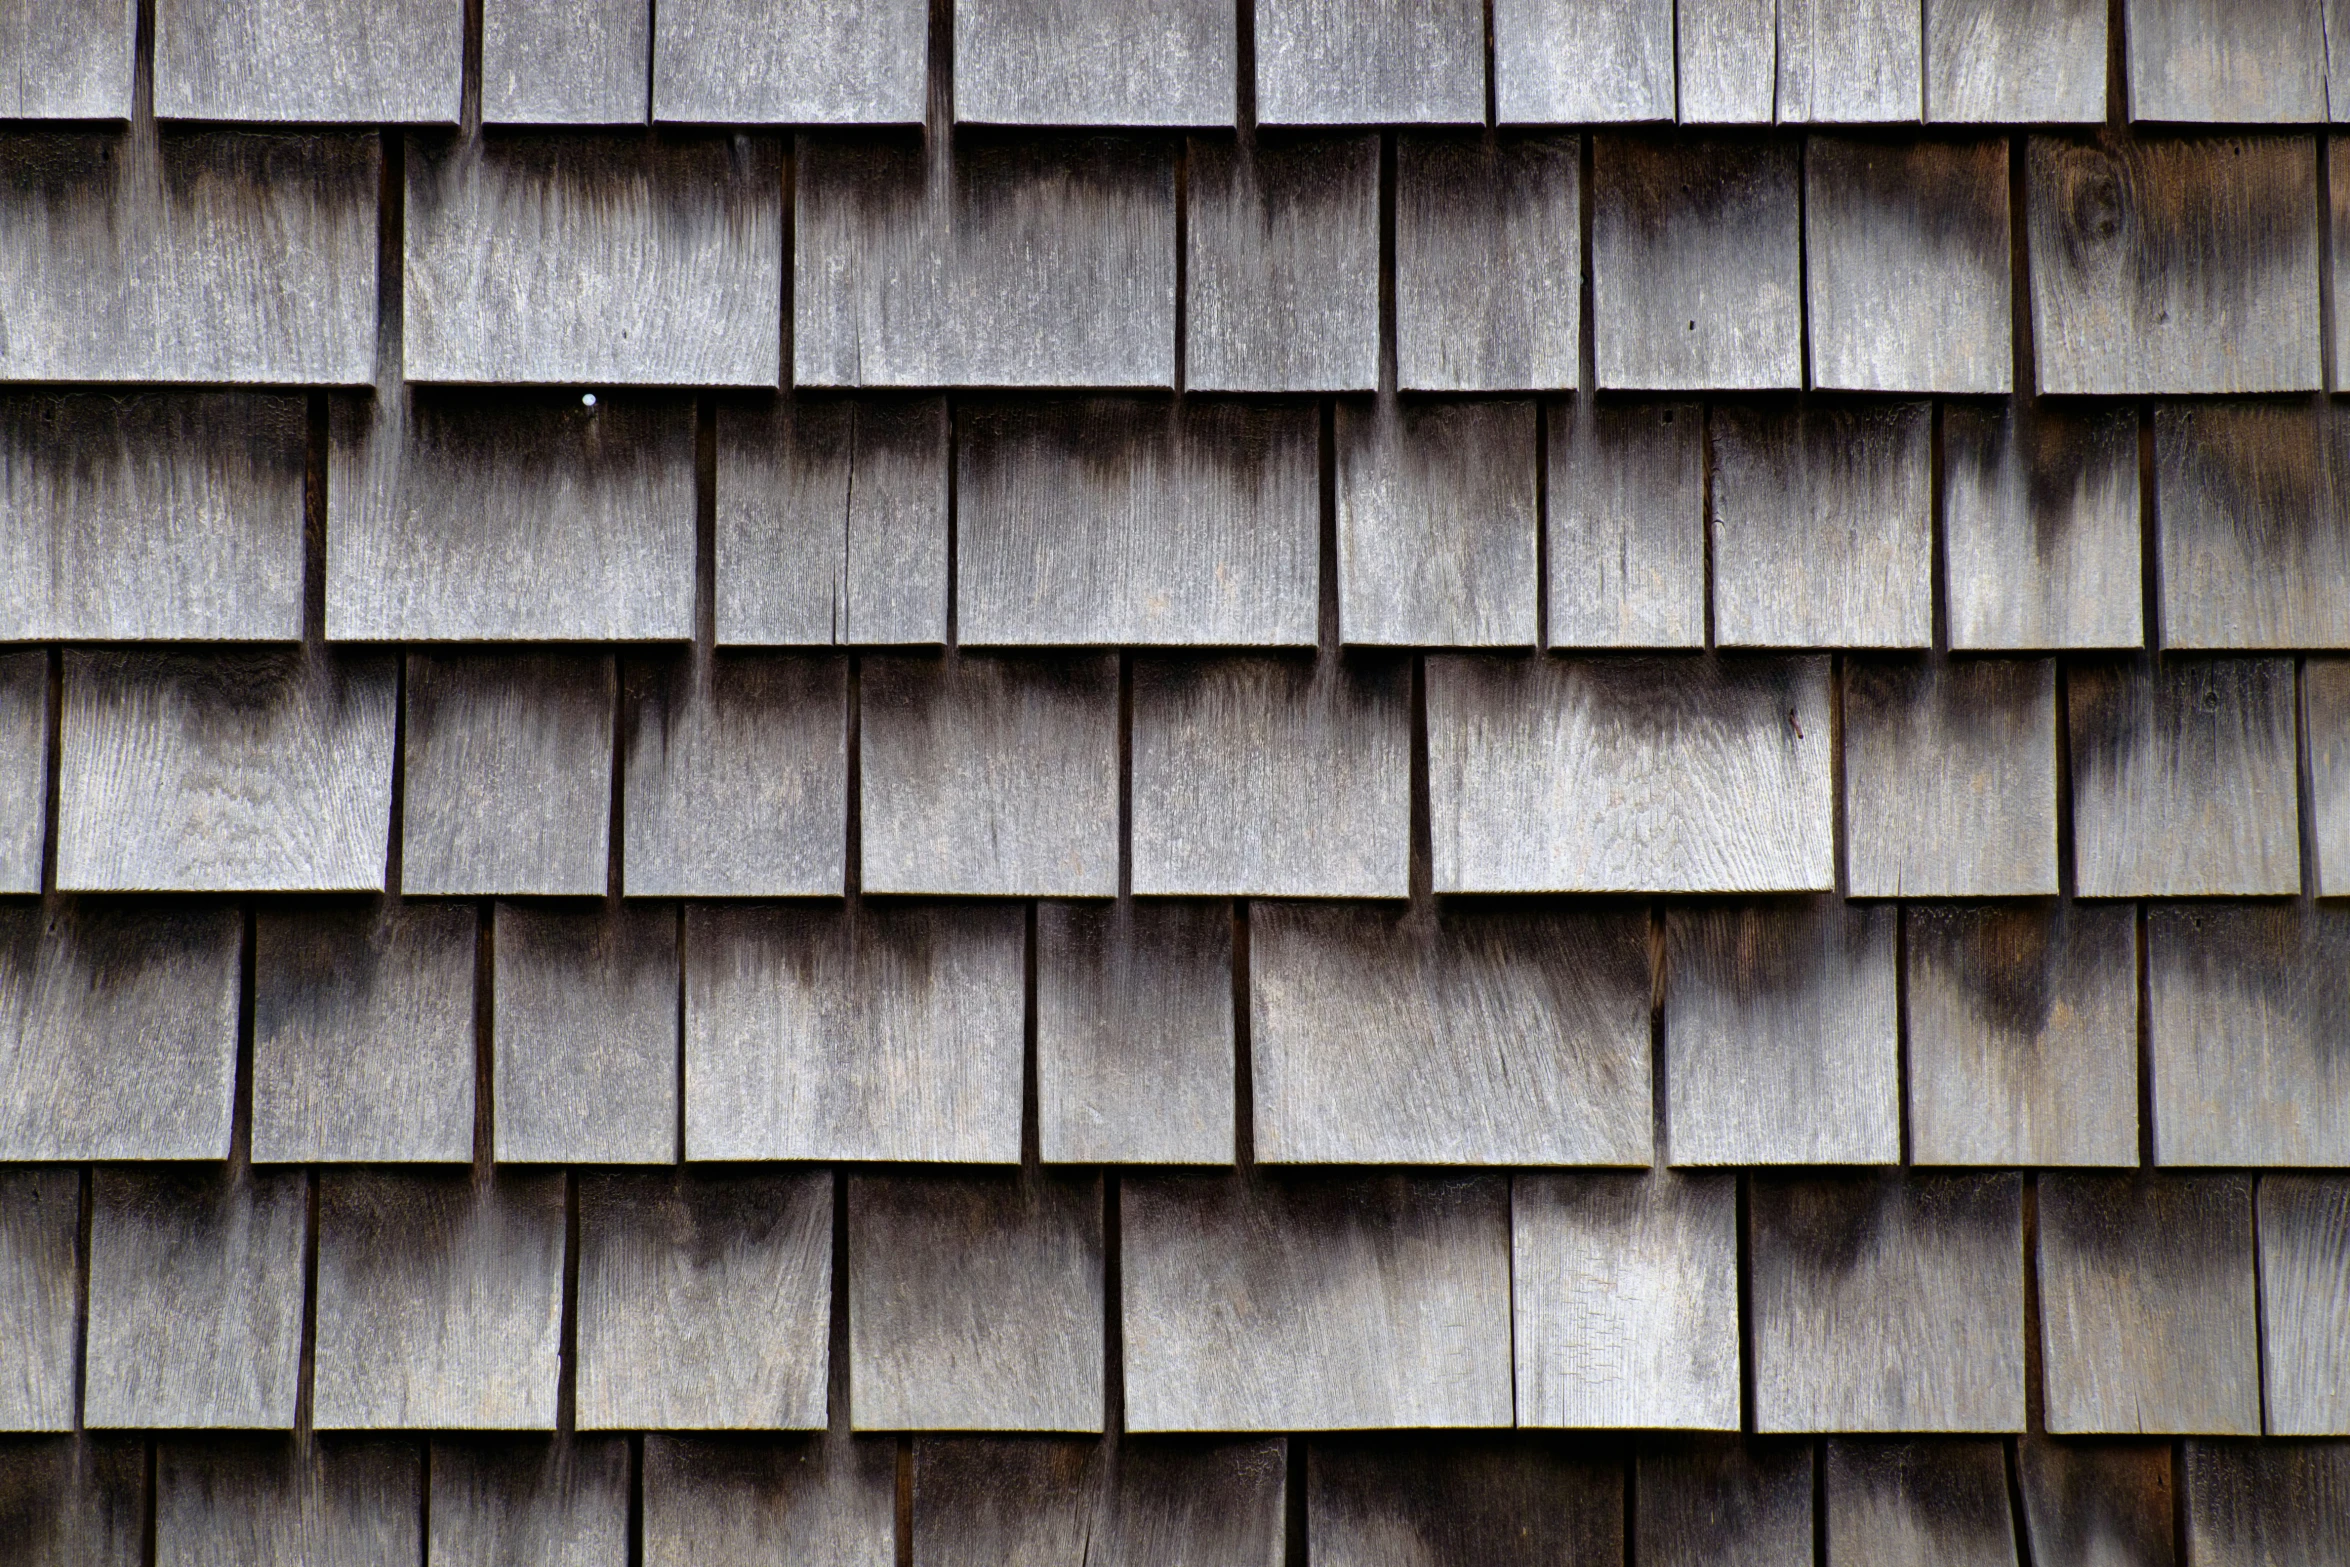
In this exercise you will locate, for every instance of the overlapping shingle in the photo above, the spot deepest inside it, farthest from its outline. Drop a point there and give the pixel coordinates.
(24, 769)
(565, 62)
(1727, 53)
(75, 1501)
(2252, 512)
(1281, 284)
(1068, 62)
(1943, 1503)
(787, 62)
(529, 1499)
(2239, 61)
(1625, 511)
(2325, 684)
(2254, 1505)
(1565, 63)
(2038, 62)
(2040, 526)
(716, 1502)
(1488, 262)
(309, 60)
(1436, 524)
(40, 1275)
(981, 1501)
(584, 1030)
(1724, 1501)
(66, 59)
(2083, 1497)
(1349, 62)
(337, 1502)
(1845, 62)
(1460, 1504)
(2304, 1225)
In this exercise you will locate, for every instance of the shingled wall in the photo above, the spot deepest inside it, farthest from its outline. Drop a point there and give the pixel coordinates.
(1152, 783)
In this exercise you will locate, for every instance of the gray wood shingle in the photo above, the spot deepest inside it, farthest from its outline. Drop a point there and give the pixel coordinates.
(2266, 1504)
(565, 62)
(1351, 62)
(40, 1278)
(2325, 687)
(66, 59)
(2040, 526)
(1488, 263)
(1917, 1504)
(1850, 62)
(561, 1500)
(720, 1502)
(2103, 1502)
(2305, 1304)
(1044, 1503)
(2234, 61)
(1281, 282)
(24, 768)
(309, 60)
(1084, 62)
(272, 1500)
(584, 1030)
(2037, 62)
(1461, 1504)
(2252, 524)
(1436, 524)
(1626, 514)
(1727, 52)
(75, 1501)
(1723, 1503)
(1562, 62)
(791, 62)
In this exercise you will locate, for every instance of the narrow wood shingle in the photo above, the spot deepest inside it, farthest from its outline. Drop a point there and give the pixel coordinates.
(24, 768)
(2101, 1502)
(983, 1501)
(341, 1502)
(309, 60)
(560, 1499)
(1488, 262)
(1850, 62)
(2040, 527)
(1917, 1504)
(565, 62)
(1727, 52)
(2266, 1504)
(66, 59)
(2252, 523)
(585, 1034)
(1724, 1503)
(2305, 1304)
(1086, 62)
(2000, 62)
(2248, 62)
(1461, 1504)
(1561, 62)
(40, 1276)
(76, 1501)
(790, 62)
(1370, 62)
(1626, 513)
(1281, 283)
(2325, 684)
(721, 1502)
(1436, 524)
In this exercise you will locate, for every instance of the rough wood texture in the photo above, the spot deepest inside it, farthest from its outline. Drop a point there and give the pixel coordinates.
(2325, 686)
(1626, 514)
(1918, 1504)
(439, 1301)
(24, 768)
(995, 777)
(2252, 62)
(1082, 62)
(506, 774)
(705, 1301)
(736, 781)
(1488, 262)
(564, 62)
(510, 517)
(1436, 524)
(562, 1501)
(2183, 779)
(363, 1034)
(2146, 1308)
(1259, 1304)
(1906, 270)
(1727, 51)
(2023, 1034)
(1696, 264)
(2040, 527)
(2248, 1034)
(1850, 62)
(2274, 1504)
(1888, 1303)
(1271, 778)
(1780, 1035)
(309, 60)
(2174, 265)
(1379, 1036)
(1125, 522)
(1356, 62)
(66, 59)
(118, 1030)
(790, 62)
(608, 260)
(2103, 1504)
(1563, 62)
(832, 521)
(1823, 526)
(195, 1298)
(205, 256)
(2337, 218)
(270, 1501)
(1466, 1504)
(1950, 779)
(726, 1503)
(175, 517)
(74, 1502)
(1723, 1503)
(2252, 520)
(1625, 1300)
(975, 1303)
(1134, 1033)
(40, 1278)
(1666, 775)
(2305, 1303)
(1281, 290)
(225, 772)
(2004, 62)
(883, 1033)
(1032, 262)
(978, 1503)
(585, 1031)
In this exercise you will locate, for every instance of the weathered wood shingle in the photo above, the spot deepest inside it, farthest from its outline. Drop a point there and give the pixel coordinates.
(309, 60)
(341, 1502)
(40, 1276)
(2252, 523)
(1625, 554)
(1563, 62)
(1850, 62)
(982, 1501)
(2038, 62)
(790, 62)
(1351, 62)
(2249, 62)
(1488, 262)
(2305, 1304)
(1917, 1503)
(529, 1499)
(2081, 1499)
(1727, 53)
(1724, 1501)
(66, 59)
(721, 1502)
(1436, 524)
(1281, 282)
(1095, 62)
(24, 769)
(1461, 1504)
(584, 1030)
(2040, 526)
(565, 62)
(2266, 1504)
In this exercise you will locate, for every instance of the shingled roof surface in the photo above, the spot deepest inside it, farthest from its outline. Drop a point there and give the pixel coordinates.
(1172, 783)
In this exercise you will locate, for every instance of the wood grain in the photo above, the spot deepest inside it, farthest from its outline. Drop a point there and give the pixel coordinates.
(715, 1502)
(1918, 1504)
(506, 774)
(1252, 1303)
(2146, 1304)
(1379, 1036)
(705, 1301)
(2023, 1028)
(1557, 62)
(40, 1276)
(1780, 1035)
(1130, 522)
(832, 521)
(1281, 285)
(195, 1298)
(988, 776)
(1134, 1032)
(2267, 1504)
(2184, 265)
(1369, 62)
(1626, 515)
(2255, 62)
(886, 1033)
(1950, 779)
(24, 768)
(1727, 54)
(66, 59)
(2305, 1304)
(561, 1500)
(1256, 777)
(74, 1501)
(1628, 775)
(439, 1301)
(332, 1503)
(1488, 262)
(1082, 62)
(975, 1302)
(790, 62)
(2040, 527)
(565, 62)
(1436, 524)
(1043, 1503)
(2252, 524)
(2034, 62)
(1462, 1504)
(1723, 1503)
(1889, 1302)
(309, 60)
(585, 1035)
(2183, 778)
(2103, 1503)
(1624, 1292)
(2325, 688)
(1850, 62)
(1696, 264)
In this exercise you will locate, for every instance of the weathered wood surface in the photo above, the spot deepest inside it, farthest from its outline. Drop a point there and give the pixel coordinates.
(1723, 1503)
(309, 60)
(2183, 778)
(2305, 1303)
(1696, 264)
(1281, 284)
(24, 769)
(1271, 778)
(118, 1030)
(705, 1301)
(1727, 54)
(562, 1501)
(2107, 1504)
(1043, 1503)
(2325, 685)
(1918, 1504)
(1260, 1304)
(1889, 1302)
(718, 1502)
(2034, 62)
(439, 1301)
(66, 59)
(790, 62)
(1379, 1036)
(506, 774)
(1624, 1291)
(1850, 62)
(2250, 62)
(1950, 779)
(2023, 1029)
(1357, 62)
(990, 776)
(2040, 527)
(1488, 262)
(2337, 219)
(975, 1302)
(735, 780)
(2165, 265)
(565, 62)
(1665, 775)
(268, 1501)
(1626, 514)
(1436, 524)
(1462, 1504)
(2267, 1504)
(1780, 1035)
(2146, 1304)
(74, 1501)
(1134, 1032)
(1129, 522)
(584, 1028)
(40, 1278)
(195, 1305)
(1562, 62)
(227, 257)
(884, 1033)
(1086, 62)
(2252, 524)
